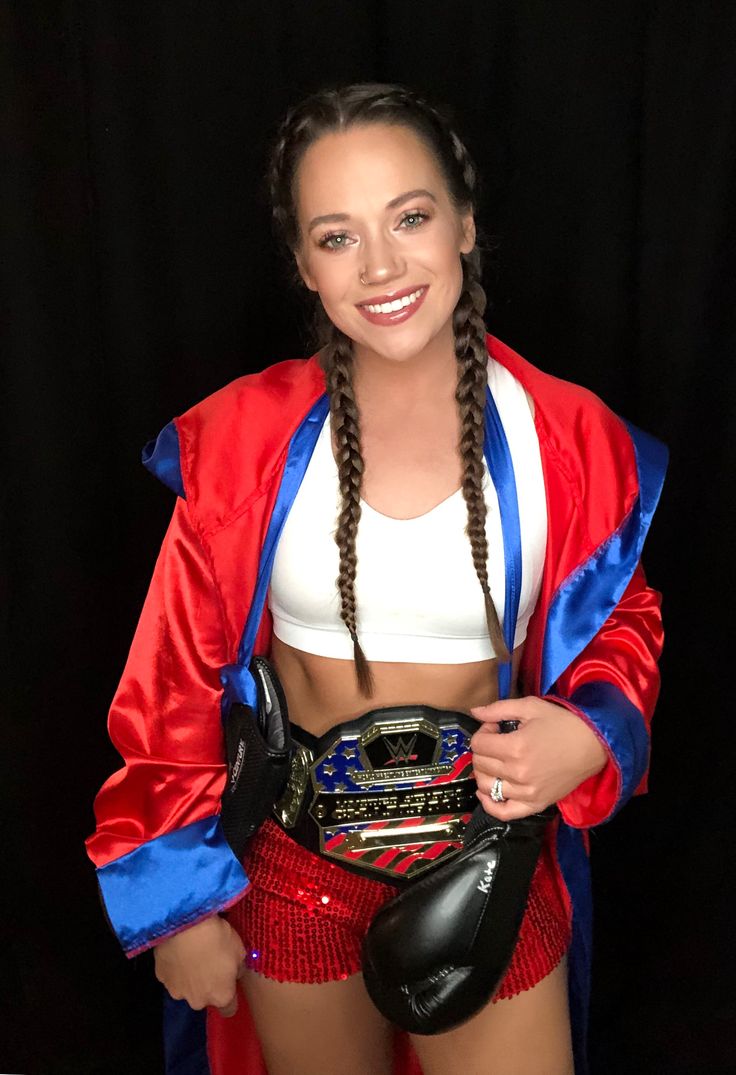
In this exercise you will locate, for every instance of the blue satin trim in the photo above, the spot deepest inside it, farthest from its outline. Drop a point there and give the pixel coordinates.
(575, 869)
(578, 611)
(501, 468)
(169, 882)
(587, 598)
(185, 1038)
(236, 678)
(622, 725)
(161, 457)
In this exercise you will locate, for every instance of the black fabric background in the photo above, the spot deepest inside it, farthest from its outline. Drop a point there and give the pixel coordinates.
(139, 274)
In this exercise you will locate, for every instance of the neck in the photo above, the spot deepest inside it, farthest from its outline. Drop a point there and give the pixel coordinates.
(430, 373)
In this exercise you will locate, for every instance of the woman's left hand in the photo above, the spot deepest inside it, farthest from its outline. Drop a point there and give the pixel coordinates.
(550, 753)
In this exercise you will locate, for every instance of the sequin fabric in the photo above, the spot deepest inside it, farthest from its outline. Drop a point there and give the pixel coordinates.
(303, 918)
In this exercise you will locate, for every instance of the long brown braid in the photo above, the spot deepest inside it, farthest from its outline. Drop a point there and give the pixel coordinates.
(336, 110)
(470, 351)
(345, 420)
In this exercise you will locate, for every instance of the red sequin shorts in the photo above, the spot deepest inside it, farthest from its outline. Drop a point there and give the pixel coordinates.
(303, 918)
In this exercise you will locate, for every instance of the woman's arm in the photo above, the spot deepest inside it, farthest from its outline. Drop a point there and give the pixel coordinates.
(162, 860)
(613, 686)
(584, 745)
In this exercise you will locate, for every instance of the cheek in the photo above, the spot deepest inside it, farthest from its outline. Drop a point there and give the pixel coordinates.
(442, 257)
(335, 289)
(448, 272)
(332, 281)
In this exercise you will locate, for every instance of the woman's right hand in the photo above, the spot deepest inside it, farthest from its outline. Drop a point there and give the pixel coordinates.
(202, 965)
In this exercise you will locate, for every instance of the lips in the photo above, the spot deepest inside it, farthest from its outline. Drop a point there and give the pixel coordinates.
(396, 317)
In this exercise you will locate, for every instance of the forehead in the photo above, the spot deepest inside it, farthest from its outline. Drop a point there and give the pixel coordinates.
(364, 167)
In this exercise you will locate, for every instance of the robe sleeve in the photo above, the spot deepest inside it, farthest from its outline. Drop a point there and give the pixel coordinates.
(162, 860)
(613, 686)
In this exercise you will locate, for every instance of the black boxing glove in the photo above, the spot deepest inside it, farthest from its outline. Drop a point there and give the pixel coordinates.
(258, 748)
(436, 953)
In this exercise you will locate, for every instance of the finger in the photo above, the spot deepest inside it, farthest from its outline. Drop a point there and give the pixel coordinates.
(508, 811)
(512, 809)
(505, 709)
(498, 763)
(488, 743)
(507, 769)
(509, 789)
(488, 766)
(230, 1009)
(499, 727)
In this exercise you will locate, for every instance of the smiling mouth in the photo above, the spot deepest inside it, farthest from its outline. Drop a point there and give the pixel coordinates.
(394, 305)
(395, 312)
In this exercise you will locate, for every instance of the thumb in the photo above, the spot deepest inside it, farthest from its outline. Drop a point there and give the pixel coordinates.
(232, 1006)
(230, 1009)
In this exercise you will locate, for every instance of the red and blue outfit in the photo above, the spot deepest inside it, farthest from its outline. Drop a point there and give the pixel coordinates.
(236, 460)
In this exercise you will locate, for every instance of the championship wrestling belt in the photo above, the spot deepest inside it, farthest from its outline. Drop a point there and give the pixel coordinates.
(387, 795)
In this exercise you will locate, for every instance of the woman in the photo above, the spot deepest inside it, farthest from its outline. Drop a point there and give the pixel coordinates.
(375, 197)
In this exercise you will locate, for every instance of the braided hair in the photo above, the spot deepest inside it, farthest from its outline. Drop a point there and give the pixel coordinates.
(337, 109)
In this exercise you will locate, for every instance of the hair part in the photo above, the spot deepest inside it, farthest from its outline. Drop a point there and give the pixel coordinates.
(338, 109)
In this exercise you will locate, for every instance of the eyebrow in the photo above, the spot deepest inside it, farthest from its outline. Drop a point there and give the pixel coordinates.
(334, 218)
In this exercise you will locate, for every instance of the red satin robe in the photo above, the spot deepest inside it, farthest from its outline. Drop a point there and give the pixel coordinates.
(235, 460)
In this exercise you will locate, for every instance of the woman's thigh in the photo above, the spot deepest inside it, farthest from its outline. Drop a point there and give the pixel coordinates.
(324, 1029)
(528, 1034)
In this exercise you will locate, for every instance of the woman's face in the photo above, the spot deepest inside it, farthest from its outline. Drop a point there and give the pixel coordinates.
(398, 245)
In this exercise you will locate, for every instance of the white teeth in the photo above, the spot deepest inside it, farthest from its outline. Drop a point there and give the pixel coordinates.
(397, 304)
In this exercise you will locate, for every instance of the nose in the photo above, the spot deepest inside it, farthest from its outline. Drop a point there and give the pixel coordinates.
(381, 262)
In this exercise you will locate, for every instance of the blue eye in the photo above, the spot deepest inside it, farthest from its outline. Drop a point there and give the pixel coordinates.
(421, 217)
(329, 237)
(417, 214)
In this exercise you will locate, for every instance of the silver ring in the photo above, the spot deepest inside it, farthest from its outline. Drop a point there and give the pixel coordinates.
(496, 791)
(362, 280)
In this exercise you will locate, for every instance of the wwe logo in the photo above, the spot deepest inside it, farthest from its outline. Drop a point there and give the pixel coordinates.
(402, 751)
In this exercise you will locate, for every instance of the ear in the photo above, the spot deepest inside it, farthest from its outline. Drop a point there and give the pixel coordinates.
(304, 273)
(468, 233)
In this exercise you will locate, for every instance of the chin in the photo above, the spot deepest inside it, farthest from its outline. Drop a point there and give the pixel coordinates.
(399, 351)
(401, 341)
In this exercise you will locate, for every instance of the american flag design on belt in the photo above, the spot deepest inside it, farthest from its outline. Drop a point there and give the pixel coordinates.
(395, 764)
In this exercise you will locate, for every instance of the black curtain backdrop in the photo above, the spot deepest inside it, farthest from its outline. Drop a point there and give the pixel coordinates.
(139, 274)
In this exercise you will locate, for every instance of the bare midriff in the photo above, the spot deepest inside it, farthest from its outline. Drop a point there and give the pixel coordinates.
(323, 691)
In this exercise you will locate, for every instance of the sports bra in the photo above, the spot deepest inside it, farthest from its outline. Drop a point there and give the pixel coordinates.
(418, 597)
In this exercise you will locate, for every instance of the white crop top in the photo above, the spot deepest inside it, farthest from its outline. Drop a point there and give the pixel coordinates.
(417, 594)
